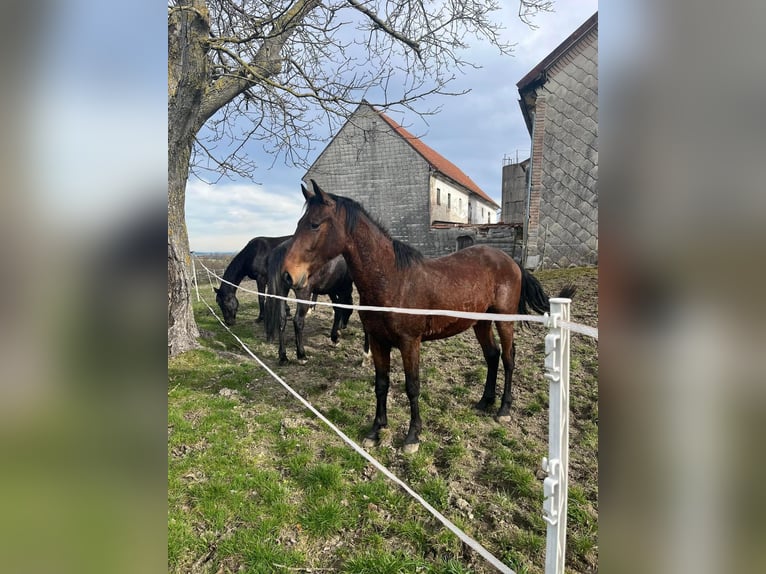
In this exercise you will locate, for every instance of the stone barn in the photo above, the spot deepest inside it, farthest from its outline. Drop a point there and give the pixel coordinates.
(554, 194)
(417, 194)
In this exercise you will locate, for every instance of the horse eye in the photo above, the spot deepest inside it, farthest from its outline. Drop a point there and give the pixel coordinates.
(315, 226)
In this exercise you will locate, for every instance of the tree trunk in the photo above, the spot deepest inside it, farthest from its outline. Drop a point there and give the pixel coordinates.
(188, 30)
(193, 97)
(182, 329)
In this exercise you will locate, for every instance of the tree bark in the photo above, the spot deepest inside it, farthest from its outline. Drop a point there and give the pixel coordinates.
(188, 31)
(182, 328)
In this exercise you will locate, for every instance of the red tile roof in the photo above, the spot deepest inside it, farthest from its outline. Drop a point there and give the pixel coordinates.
(437, 161)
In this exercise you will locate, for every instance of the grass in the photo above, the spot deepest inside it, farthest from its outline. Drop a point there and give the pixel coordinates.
(257, 484)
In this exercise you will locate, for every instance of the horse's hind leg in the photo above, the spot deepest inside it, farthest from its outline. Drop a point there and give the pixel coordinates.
(505, 331)
(483, 331)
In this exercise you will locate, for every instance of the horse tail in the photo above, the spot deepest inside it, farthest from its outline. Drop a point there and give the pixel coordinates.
(532, 294)
(275, 311)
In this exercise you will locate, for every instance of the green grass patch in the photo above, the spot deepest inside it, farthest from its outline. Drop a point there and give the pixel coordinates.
(324, 517)
(257, 481)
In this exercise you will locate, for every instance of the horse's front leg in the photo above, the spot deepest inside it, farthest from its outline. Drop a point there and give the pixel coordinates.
(337, 316)
(298, 323)
(282, 327)
(381, 357)
(261, 298)
(411, 361)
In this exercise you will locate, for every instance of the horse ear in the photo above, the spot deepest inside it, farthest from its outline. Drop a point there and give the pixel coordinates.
(321, 194)
(306, 193)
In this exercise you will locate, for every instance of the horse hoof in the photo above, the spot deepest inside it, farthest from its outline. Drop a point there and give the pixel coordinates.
(369, 442)
(483, 406)
(302, 361)
(503, 418)
(410, 448)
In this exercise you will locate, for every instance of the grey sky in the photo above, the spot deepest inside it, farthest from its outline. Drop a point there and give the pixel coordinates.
(473, 131)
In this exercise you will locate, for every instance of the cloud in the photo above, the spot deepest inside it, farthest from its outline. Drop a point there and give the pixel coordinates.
(225, 217)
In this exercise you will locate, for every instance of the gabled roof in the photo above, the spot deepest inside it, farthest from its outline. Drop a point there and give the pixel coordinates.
(437, 161)
(537, 74)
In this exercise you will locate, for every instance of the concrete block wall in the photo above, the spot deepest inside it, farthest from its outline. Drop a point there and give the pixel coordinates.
(567, 233)
(372, 164)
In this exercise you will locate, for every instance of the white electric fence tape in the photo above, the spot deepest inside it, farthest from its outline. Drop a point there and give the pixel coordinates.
(574, 327)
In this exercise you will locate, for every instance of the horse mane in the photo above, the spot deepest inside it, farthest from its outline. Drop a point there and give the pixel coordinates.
(405, 255)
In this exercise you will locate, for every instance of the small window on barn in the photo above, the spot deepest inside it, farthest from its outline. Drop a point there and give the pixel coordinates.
(438, 196)
(449, 201)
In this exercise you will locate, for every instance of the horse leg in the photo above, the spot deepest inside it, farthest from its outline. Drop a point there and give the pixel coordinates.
(505, 330)
(261, 299)
(298, 322)
(336, 320)
(282, 327)
(483, 332)
(411, 361)
(381, 356)
(312, 297)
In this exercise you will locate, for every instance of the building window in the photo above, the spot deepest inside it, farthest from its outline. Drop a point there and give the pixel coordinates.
(460, 206)
(449, 200)
(438, 196)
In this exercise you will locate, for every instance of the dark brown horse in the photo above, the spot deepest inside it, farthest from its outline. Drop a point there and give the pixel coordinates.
(252, 262)
(390, 273)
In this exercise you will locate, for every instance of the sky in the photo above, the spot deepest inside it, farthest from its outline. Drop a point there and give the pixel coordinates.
(474, 131)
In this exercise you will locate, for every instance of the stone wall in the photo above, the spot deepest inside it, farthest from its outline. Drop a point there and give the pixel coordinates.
(567, 233)
(369, 162)
(514, 192)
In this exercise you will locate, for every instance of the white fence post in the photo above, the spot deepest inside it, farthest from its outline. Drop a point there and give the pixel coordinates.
(194, 277)
(556, 464)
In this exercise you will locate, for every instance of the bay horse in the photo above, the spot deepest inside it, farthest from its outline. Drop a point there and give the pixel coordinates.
(252, 262)
(332, 279)
(390, 273)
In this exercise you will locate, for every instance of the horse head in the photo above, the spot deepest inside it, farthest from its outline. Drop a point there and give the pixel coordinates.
(319, 237)
(228, 303)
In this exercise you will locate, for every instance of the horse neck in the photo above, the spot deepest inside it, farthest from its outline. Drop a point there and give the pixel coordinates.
(370, 255)
(235, 272)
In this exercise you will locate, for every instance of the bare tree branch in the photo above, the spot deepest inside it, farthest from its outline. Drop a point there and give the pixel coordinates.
(385, 27)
